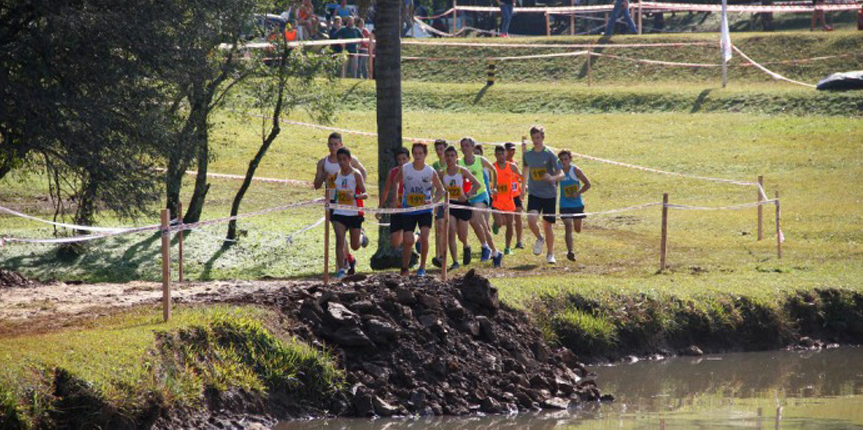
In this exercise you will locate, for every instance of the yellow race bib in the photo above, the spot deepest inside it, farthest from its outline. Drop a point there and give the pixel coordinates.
(346, 197)
(570, 190)
(454, 191)
(503, 188)
(537, 173)
(416, 199)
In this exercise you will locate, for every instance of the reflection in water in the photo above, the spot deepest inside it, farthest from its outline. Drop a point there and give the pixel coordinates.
(763, 390)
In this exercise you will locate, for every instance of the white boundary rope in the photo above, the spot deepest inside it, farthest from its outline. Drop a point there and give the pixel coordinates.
(72, 226)
(557, 45)
(772, 74)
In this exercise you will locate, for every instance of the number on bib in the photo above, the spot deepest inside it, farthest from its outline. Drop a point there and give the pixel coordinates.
(345, 197)
(538, 173)
(515, 186)
(502, 188)
(570, 190)
(416, 200)
(454, 191)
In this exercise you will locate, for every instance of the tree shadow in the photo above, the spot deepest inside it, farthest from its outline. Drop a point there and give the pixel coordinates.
(208, 266)
(604, 40)
(699, 101)
(481, 94)
(524, 267)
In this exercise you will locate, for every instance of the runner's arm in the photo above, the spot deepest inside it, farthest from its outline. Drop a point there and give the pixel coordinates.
(515, 169)
(467, 174)
(361, 185)
(492, 173)
(439, 191)
(583, 178)
(320, 176)
(355, 163)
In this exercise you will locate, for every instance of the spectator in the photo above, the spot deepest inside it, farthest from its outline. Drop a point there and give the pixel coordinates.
(334, 30)
(349, 31)
(621, 7)
(818, 16)
(363, 65)
(307, 20)
(506, 7)
(343, 11)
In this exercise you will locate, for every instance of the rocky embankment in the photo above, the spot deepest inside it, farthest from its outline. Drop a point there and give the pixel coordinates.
(421, 346)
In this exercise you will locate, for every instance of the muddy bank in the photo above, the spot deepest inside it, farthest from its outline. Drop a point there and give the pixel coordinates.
(613, 327)
(423, 347)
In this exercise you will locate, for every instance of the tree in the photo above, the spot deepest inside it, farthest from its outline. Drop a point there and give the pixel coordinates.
(293, 82)
(388, 78)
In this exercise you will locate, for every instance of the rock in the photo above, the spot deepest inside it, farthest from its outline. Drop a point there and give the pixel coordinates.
(405, 296)
(479, 291)
(429, 320)
(490, 406)
(362, 307)
(429, 302)
(338, 314)
(541, 351)
(363, 403)
(556, 403)
(376, 371)
(348, 336)
(469, 326)
(383, 408)
(382, 331)
(691, 351)
(486, 329)
(418, 400)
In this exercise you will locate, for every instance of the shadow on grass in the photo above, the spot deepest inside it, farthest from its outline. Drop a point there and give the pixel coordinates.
(524, 267)
(699, 101)
(481, 94)
(582, 74)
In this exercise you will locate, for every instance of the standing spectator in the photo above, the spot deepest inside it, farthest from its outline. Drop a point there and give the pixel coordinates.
(343, 11)
(350, 31)
(818, 16)
(506, 7)
(337, 25)
(621, 7)
(307, 20)
(363, 71)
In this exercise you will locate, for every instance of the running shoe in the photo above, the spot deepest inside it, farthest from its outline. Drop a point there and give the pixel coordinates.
(497, 261)
(437, 262)
(352, 265)
(507, 251)
(454, 266)
(404, 272)
(519, 245)
(570, 256)
(364, 240)
(495, 228)
(421, 273)
(485, 254)
(340, 274)
(550, 259)
(466, 256)
(537, 246)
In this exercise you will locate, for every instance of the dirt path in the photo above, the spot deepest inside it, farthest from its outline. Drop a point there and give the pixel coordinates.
(31, 306)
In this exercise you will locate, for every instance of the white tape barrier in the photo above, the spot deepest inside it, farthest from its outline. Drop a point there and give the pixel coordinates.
(657, 62)
(181, 227)
(511, 58)
(557, 45)
(774, 75)
(717, 8)
(297, 44)
(256, 178)
(722, 208)
(82, 238)
(440, 15)
(375, 210)
(72, 226)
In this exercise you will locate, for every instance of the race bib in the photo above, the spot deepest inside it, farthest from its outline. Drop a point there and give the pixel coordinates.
(537, 173)
(503, 188)
(331, 181)
(416, 200)
(345, 197)
(454, 191)
(515, 186)
(570, 190)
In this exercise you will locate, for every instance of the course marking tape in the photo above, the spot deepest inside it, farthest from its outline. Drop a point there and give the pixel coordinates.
(774, 75)
(72, 226)
(559, 46)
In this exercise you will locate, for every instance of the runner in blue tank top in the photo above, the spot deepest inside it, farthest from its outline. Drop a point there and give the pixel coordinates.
(573, 185)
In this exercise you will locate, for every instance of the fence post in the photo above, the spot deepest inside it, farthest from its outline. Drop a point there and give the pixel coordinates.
(454, 17)
(180, 240)
(445, 235)
(547, 25)
(760, 207)
(572, 19)
(589, 68)
(491, 71)
(663, 245)
(778, 228)
(640, 15)
(166, 264)
(371, 62)
(327, 231)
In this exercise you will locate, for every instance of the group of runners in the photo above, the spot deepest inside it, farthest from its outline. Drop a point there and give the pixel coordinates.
(473, 184)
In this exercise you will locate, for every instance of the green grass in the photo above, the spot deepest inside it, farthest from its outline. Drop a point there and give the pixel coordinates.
(762, 47)
(133, 360)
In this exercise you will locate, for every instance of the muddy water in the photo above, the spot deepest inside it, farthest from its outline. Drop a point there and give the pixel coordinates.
(762, 390)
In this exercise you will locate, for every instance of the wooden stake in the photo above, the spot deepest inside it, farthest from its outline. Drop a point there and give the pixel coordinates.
(180, 240)
(371, 62)
(640, 26)
(778, 228)
(760, 208)
(547, 25)
(589, 69)
(454, 17)
(166, 264)
(663, 246)
(445, 236)
(327, 231)
(572, 19)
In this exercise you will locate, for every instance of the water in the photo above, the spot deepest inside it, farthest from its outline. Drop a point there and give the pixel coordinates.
(787, 390)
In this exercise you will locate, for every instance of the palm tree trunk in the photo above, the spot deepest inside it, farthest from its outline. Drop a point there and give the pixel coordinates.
(388, 83)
